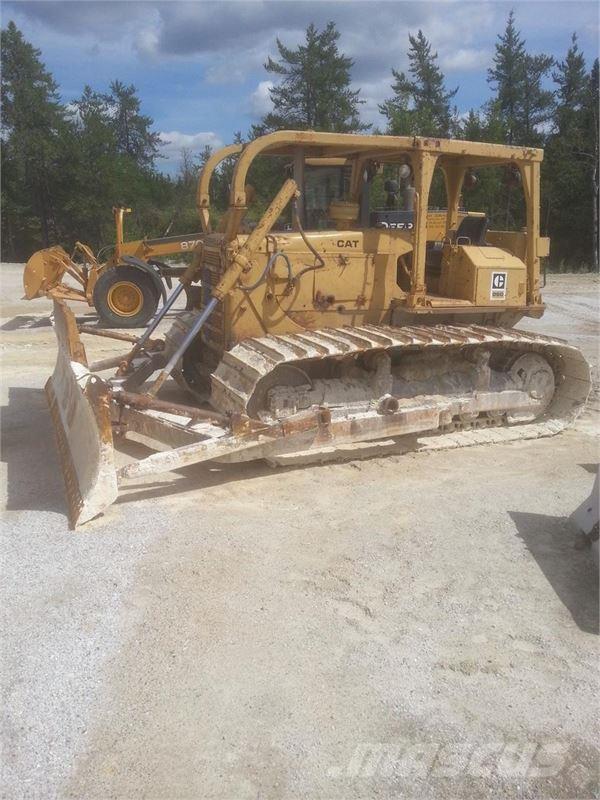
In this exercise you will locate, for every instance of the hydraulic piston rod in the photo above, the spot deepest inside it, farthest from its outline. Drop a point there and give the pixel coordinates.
(187, 340)
(239, 263)
(185, 280)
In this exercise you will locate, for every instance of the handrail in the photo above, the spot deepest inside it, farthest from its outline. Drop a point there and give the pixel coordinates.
(206, 173)
(327, 145)
(324, 144)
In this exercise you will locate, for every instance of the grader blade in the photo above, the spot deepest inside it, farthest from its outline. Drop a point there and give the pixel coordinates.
(44, 273)
(80, 408)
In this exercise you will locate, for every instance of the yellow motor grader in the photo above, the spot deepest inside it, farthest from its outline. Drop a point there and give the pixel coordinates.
(125, 289)
(332, 324)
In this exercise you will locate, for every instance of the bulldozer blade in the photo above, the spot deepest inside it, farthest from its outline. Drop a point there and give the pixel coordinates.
(80, 408)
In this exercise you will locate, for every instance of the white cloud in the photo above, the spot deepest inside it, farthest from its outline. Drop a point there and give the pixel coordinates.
(373, 93)
(226, 43)
(233, 66)
(173, 143)
(260, 99)
(233, 39)
(466, 59)
(97, 17)
(146, 43)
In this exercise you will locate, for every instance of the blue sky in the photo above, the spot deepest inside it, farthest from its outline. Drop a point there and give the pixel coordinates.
(198, 66)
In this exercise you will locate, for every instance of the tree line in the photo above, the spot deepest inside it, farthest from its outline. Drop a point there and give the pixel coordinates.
(65, 166)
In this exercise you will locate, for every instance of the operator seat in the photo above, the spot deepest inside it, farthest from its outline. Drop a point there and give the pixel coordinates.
(473, 228)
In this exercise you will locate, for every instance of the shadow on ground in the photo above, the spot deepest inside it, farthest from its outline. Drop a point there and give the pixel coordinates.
(192, 478)
(25, 321)
(571, 573)
(31, 321)
(34, 478)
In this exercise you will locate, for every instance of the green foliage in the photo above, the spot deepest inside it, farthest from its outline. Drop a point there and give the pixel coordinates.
(34, 129)
(65, 167)
(313, 91)
(517, 77)
(570, 161)
(591, 153)
(493, 189)
(113, 152)
(507, 76)
(131, 129)
(420, 105)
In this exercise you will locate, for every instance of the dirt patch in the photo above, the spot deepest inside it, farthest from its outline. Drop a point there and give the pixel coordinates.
(414, 626)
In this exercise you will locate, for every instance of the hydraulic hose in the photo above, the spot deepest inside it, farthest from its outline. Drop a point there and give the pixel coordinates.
(307, 242)
(272, 259)
(279, 254)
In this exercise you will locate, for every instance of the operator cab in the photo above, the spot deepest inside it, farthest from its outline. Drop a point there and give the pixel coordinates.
(429, 239)
(456, 264)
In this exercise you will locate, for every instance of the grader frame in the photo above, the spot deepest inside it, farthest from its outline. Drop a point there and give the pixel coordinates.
(46, 268)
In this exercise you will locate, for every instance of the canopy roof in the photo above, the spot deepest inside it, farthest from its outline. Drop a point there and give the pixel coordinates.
(327, 145)
(314, 144)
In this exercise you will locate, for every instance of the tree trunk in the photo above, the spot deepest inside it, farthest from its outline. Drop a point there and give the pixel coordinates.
(508, 199)
(41, 199)
(596, 189)
(8, 253)
(43, 212)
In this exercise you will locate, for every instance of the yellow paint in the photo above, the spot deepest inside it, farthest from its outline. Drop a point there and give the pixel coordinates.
(364, 272)
(125, 298)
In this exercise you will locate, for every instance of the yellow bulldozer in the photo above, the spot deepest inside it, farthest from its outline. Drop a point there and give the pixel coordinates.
(334, 323)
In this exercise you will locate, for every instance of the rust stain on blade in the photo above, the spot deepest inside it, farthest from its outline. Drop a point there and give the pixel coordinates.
(65, 328)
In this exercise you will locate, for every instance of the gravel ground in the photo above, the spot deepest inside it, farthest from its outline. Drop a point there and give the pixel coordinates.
(409, 626)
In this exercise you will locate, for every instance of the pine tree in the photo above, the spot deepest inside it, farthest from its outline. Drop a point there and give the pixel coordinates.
(488, 191)
(33, 123)
(517, 77)
(522, 106)
(94, 153)
(114, 143)
(63, 170)
(184, 213)
(421, 104)
(570, 78)
(313, 91)
(485, 125)
(569, 164)
(591, 153)
(472, 127)
(221, 181)
(204, 155)
(133, 130)
(94, 125)
(508, 76)
(537, 102)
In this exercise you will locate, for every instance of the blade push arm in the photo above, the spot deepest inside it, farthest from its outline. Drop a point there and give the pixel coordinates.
(241, 259)
(239, 262)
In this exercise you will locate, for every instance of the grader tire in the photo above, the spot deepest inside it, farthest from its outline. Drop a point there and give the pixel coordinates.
(125, 297)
